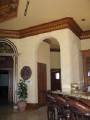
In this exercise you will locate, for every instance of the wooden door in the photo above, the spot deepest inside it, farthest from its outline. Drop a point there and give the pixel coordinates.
(55, 79)
(86, 69)
(4, 81)
(42, 83)
(10, 87)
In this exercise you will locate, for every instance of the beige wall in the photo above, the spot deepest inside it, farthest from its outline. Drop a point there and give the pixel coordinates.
(75, 57)
(44, 57)
(55, 60)
(70, 59)
(85, 44)
(69, 51)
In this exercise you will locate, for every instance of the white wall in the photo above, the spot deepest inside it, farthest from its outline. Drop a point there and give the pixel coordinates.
(69, 52)
(55, 60)
(85, 44)
(76, 59)
(70, 60)
(44, 57)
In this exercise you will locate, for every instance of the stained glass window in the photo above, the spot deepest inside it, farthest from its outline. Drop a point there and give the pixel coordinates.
(5, 48)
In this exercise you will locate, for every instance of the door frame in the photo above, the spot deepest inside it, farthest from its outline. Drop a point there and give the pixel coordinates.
(85, 53)
(14, 56)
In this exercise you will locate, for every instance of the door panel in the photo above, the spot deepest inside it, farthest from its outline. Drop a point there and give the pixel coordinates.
(42, 83)
(6, 88)
(4, 81)
(10, 87)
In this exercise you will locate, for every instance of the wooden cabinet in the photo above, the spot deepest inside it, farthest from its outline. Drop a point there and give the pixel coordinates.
(86, 69)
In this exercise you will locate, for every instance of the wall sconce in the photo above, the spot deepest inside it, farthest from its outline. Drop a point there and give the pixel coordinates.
(74, 88)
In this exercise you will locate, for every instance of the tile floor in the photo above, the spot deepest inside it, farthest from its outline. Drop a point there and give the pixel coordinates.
(8, 113)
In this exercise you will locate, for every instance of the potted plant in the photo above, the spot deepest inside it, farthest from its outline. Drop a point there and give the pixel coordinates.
(22, 95)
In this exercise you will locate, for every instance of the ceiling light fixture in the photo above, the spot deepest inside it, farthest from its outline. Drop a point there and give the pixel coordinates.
(27, 4)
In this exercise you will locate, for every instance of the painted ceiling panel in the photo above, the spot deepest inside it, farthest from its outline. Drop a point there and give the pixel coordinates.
(43, 11)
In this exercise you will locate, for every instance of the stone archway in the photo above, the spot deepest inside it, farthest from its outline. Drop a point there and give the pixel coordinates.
(8, 61)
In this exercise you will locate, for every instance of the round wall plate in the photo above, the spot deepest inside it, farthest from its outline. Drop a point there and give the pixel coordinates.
(26, 72)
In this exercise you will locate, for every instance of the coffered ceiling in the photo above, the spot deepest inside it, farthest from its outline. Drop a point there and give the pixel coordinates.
(43, 11)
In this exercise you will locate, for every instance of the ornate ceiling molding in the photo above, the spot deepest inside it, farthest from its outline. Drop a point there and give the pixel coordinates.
(47, 27)
(85, 35)
(8, 9)
(51, 26)
(9, 33)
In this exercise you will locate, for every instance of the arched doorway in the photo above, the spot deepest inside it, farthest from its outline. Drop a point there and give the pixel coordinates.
(55, 63)
(44, 69)
(8, 66)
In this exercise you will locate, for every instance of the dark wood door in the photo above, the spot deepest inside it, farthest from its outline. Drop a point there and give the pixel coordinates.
(42, 83)
(55, 79)
(10, 87)
(4, 81)
(86, 68)
(6, 73)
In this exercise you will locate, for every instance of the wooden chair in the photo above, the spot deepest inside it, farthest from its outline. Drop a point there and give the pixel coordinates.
(58, 108)
(62, 108)
(78, 110)
(51, 107)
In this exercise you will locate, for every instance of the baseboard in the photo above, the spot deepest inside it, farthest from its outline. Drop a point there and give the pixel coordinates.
(32, 106)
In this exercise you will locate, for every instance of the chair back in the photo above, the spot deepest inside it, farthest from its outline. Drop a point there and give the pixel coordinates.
(79, 110)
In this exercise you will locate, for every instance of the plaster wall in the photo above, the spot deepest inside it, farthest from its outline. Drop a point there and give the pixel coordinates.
(28, 55)
(55, 60)
(76, 59)
(85, 44)
(44, 57)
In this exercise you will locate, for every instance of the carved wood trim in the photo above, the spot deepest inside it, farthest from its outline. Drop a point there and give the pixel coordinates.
(85, 35)
(47, 27)
(51, 26)
(9, 33)
(54, 50)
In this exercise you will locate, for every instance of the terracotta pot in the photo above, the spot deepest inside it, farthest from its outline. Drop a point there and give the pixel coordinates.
(22, 106)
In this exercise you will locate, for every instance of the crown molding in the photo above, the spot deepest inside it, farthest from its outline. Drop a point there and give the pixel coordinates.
(47, 27)
(85, 35)
(9, 33)
(51, 26)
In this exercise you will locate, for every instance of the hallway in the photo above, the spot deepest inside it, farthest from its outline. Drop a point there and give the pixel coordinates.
(7, 113)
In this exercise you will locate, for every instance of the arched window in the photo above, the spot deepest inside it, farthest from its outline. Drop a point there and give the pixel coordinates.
(5, 48)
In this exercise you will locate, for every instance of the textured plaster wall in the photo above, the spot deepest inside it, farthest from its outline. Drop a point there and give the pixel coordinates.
(44, 57)
(85, 44)
(55, 60)
(69, 55)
